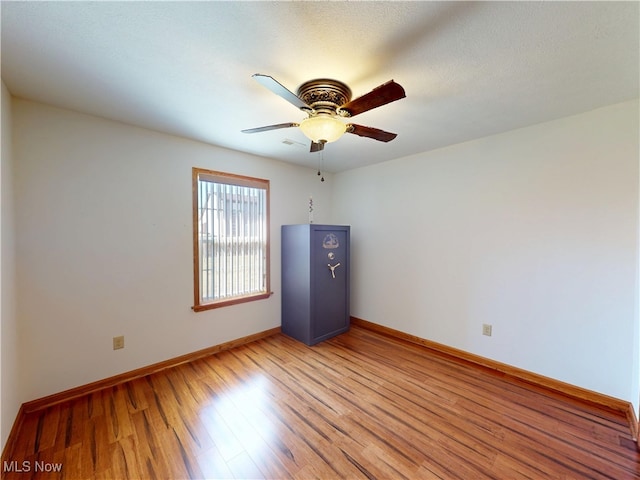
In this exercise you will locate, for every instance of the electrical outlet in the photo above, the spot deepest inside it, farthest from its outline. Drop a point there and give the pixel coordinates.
(118, 342)
(486, 329)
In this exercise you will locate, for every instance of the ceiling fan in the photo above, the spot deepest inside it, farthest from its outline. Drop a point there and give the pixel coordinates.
(327, 102)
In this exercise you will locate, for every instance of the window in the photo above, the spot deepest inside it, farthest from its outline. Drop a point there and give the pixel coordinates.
(230, 239)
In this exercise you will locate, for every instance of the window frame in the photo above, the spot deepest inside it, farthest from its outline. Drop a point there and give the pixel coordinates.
(230, 179)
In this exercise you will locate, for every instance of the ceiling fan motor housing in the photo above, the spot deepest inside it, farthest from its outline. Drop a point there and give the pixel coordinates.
(325, 95)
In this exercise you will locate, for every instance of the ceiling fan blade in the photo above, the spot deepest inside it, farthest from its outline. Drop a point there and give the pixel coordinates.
(316, 147)
(385, 93)
(370, 132)
(280, 90)
(270, 127)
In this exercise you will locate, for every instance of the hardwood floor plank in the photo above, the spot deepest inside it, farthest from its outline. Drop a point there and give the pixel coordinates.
(242, 466)
(72, 424)
(212, 465)
(135, 396)
(72, 461)
(152, 459)
(119, 420)
(97, 447)
(47, 429)
(125, 461)
(361, 405)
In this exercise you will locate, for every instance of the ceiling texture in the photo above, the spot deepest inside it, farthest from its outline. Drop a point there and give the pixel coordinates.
(469, 69)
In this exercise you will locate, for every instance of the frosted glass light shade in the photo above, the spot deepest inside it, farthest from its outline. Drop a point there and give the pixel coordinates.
(323, 128)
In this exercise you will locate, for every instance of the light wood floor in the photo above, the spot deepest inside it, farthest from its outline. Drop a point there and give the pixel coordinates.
(361, 405)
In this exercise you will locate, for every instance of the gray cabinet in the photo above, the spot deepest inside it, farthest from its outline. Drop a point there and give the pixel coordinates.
(315, 281)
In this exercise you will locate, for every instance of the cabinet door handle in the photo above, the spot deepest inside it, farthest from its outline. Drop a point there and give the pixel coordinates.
(333, 269)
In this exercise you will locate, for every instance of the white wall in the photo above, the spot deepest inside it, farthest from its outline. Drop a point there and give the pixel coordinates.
(10, 385)
(104, 245)
(534, 231)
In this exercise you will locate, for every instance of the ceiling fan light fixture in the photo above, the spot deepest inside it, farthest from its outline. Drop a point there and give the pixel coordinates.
(323, 128)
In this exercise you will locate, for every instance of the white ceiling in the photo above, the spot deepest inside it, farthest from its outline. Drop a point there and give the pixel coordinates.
(470, 69)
